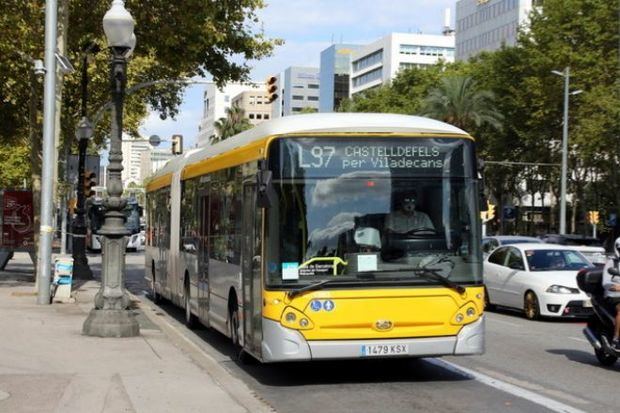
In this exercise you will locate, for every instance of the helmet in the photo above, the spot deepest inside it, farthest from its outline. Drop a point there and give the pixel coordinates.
(617, 247)
(368, 237)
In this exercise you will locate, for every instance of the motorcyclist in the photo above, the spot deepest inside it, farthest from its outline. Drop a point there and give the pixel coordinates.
(612, 291)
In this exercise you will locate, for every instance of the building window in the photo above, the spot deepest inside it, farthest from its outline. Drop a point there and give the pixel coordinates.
(259, 116)
(296, 109)
(298, 86)
(251, 116)
(314, 98)
(313, 86)
(368, 60)
(298, 97)
(266, 116)
(367, 77)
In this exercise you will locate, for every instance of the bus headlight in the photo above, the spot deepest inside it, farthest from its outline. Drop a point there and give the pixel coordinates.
(295, 319)
(466, 314)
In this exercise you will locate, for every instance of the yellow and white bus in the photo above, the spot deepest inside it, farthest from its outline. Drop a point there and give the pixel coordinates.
(297, 239)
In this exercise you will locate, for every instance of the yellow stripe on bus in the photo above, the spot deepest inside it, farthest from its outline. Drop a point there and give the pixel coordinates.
(159, 182)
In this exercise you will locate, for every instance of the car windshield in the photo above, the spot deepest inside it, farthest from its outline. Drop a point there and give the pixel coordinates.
(555, 260)
(521, 241)
(364, 221)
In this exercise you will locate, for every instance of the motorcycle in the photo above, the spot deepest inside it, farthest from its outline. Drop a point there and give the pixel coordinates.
(600, 328)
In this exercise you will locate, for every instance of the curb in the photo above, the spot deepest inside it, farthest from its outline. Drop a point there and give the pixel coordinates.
(236, 388)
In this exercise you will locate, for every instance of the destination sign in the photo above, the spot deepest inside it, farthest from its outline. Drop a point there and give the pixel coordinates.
(312, 157)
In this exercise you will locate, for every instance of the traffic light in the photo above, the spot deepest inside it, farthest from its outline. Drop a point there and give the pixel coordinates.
(490, 210)
(272, 89)
(177, 144)
(593, 217)
(509, 213)
(90, 181)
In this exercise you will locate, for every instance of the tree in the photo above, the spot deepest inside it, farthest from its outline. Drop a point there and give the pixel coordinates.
(459, 101)
(174, 40)
(235, 122)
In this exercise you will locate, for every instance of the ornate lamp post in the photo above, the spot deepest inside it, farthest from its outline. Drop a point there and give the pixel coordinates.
(111, 317)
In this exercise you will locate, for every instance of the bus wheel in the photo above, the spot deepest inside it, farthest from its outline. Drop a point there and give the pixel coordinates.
(190, 319)
(155, 297)
(234, 328)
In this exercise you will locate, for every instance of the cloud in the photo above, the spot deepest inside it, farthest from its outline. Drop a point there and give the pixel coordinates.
(327, 236)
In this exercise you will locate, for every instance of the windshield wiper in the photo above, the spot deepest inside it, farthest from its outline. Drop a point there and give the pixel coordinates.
(428, 273)
(314, 286)
(432, 273)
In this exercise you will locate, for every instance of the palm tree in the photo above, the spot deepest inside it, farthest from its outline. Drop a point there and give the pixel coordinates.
(235, 122)
(458, 101)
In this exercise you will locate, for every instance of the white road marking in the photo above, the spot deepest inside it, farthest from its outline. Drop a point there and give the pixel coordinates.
(517, 391)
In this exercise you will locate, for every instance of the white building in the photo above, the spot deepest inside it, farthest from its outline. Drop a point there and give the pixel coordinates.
(487, 24)
(132, 156)
(299, 88)
(379, 62)
(153, 160)
(215, 102)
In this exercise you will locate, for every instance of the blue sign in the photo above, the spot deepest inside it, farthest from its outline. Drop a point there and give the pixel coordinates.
(328, 305)
(315, 305)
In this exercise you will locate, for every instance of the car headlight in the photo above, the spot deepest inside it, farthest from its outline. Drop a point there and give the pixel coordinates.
(560, 289)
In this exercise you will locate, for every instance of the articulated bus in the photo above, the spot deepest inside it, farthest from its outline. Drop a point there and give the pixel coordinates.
(298, 241)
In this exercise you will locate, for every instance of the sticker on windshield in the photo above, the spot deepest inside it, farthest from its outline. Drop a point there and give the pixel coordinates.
(367, 262)
(290, 270)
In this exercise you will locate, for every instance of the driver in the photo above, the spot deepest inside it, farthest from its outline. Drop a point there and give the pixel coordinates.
(612, 291)
(406, 218)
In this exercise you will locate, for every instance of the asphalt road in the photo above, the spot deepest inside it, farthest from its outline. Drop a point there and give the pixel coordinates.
(528, 367)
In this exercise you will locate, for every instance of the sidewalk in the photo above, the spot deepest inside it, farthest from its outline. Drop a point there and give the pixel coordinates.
(46, 365)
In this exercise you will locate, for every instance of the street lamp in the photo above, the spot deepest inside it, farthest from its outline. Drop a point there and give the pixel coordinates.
(566, 75)
(111, 317)
(83, 133)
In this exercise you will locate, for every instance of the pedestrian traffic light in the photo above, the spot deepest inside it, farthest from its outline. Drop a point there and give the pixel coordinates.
(593, 217)
(509, 213)
(90, 181)
(272, 89)
(177, 144)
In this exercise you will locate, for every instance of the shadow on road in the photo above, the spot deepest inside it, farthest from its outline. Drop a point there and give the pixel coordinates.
(321, 372)
(583, 357)
(513, 312)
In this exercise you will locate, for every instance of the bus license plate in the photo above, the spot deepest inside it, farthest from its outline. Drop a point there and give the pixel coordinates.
(384, 350)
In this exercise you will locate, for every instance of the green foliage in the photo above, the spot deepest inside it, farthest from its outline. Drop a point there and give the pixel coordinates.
(307, 109)
(459, 101)
(174, 40)
(15, 165)
(235, 122)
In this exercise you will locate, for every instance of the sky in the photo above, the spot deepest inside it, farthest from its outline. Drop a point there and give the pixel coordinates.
(308, 27)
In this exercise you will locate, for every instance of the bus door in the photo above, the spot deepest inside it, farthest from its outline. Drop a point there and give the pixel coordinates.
(203, 255)
(252, 287)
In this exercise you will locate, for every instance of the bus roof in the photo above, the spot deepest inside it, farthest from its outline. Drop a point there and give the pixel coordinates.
(313, 123)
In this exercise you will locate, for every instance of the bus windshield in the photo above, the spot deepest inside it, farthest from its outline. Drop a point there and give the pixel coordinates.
(372, 210)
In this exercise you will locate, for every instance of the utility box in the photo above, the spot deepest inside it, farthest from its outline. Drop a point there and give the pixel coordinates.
(63, 278)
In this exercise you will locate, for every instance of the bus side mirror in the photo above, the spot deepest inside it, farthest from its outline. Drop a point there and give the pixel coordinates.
(265, 196)
(613, 272)
(482, 199)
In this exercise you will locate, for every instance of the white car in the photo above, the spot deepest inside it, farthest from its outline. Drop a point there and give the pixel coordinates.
(540, 279)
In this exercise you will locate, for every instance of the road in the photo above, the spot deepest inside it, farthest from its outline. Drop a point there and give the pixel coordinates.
(528, 367)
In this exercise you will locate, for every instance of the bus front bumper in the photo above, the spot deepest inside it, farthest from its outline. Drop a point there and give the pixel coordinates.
(283, 344)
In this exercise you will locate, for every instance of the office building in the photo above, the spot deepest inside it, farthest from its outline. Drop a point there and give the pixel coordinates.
(153, 160)
(132, 155)
(334, 75)
(215, 102)
(254, 104)
(487, 24)
(377, 63)
(299, 89)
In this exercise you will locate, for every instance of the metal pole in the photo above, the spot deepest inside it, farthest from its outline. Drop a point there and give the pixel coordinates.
(564, 154)
(49, 107)
(81, 270)
(111, 317)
